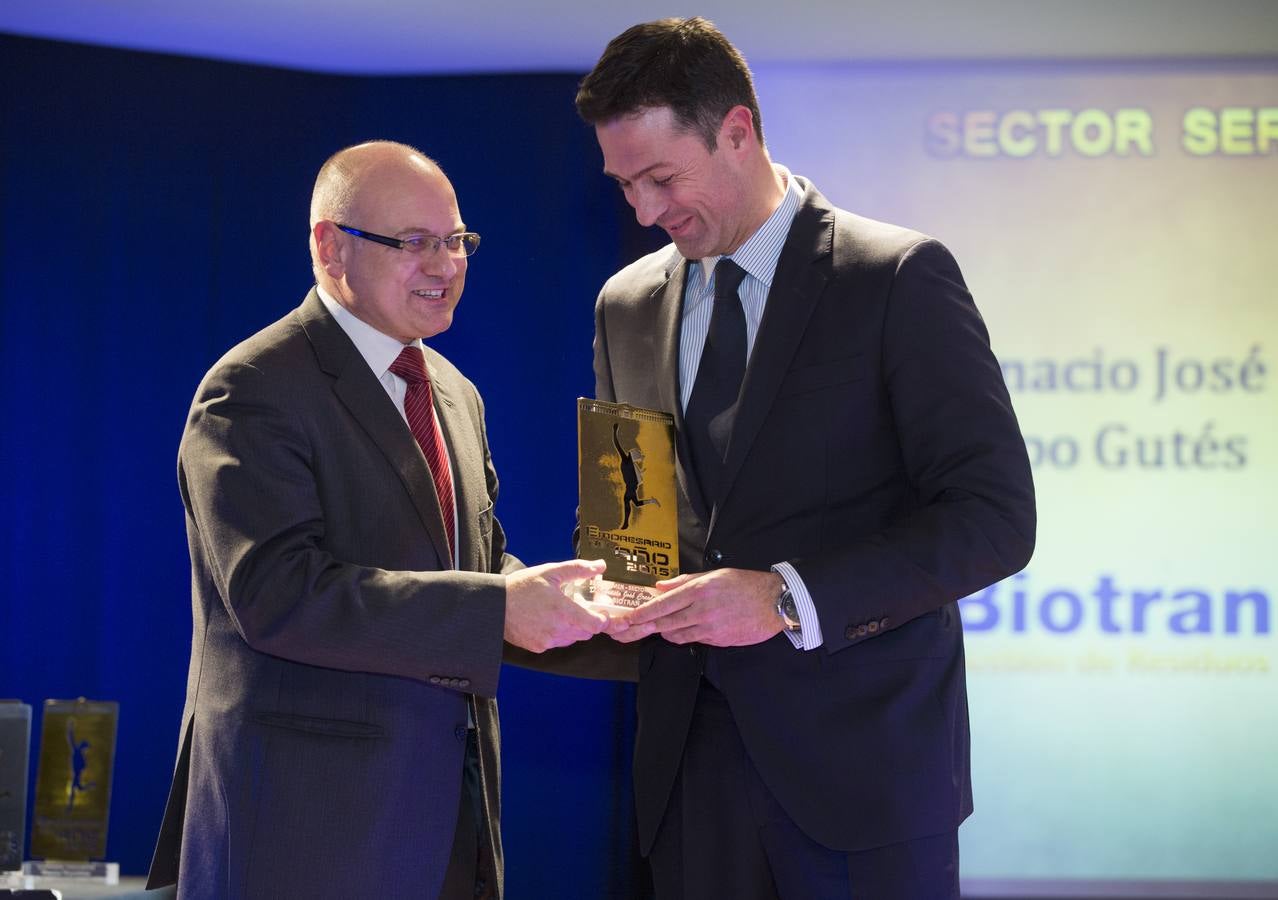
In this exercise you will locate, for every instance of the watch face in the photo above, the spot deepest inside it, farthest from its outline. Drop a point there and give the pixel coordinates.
(789, 611)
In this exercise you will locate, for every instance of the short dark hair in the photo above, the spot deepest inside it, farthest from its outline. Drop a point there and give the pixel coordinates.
(684, 64)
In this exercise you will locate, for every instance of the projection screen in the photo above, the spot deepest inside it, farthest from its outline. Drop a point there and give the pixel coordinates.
(1115, 224)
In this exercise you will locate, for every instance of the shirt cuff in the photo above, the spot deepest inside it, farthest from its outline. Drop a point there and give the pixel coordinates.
(809, 636)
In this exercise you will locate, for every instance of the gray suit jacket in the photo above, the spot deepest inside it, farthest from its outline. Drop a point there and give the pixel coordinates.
(875, 448)
(335, 650)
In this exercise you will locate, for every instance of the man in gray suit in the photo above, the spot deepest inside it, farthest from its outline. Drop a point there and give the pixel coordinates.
(351, 586)
(849, 466)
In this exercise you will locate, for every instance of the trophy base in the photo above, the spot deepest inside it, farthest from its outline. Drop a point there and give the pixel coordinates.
(38, 873)
(614, 594)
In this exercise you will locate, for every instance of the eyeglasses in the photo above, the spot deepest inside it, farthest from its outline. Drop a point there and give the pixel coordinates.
(463, 244)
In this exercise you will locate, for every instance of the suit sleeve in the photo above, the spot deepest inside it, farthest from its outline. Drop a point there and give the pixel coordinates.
(259, 521)
(970, 520)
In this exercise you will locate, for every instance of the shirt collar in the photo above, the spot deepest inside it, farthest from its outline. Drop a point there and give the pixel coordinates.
(761, 252)
(379, 350)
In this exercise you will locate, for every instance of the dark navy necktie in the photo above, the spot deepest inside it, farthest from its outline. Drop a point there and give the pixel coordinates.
(713, 403)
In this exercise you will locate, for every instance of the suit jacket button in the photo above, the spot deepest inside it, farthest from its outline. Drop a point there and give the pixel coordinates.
(463, 682)
(850, 633)
(714, 557)
(861, 631)
(873, 627)
(435, 679)
(460, 732)
(884, 622)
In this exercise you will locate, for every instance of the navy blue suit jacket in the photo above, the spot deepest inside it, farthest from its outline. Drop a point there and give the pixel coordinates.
(875, 448)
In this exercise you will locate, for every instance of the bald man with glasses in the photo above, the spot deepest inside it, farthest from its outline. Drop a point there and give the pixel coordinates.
(351, 591)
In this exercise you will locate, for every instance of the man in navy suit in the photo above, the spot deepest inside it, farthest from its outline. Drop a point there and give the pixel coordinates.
(849, 466)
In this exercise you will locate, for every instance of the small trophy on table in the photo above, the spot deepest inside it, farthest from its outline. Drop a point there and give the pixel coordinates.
(73, 791)
(629, 514)
(15, 743)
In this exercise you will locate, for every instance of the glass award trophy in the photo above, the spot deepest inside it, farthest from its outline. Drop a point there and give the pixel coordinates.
(15, 744)
(73, 791)
(629, 514)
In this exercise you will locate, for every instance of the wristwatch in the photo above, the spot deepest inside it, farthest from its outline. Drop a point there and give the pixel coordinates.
(788, 612)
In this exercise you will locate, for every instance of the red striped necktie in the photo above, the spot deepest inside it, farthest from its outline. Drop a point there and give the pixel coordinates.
(418, 408)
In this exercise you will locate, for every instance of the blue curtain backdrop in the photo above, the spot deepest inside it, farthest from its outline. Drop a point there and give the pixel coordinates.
(153, 212)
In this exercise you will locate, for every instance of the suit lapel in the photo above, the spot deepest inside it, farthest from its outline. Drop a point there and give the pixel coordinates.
(669, 298)
(797, 285)
(364, 397)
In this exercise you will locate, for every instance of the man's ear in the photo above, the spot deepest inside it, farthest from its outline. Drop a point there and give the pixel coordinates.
(330, 249)
(737, 130)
